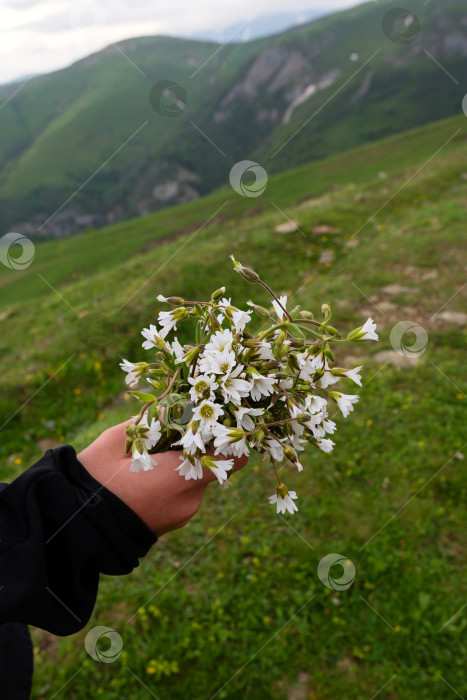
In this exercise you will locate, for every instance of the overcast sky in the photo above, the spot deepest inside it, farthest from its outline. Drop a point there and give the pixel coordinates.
(37, 36)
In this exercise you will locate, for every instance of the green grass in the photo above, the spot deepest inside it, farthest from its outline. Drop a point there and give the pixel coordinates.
(225, 598)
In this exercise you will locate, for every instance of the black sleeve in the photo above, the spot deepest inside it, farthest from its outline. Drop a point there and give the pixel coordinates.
(59, 529)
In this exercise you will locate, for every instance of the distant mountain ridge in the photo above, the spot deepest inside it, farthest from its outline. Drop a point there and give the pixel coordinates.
(263, 25)
(102, 141)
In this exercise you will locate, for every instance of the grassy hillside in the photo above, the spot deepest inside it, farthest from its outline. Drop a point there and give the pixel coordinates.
(228, 615)
(94, 119)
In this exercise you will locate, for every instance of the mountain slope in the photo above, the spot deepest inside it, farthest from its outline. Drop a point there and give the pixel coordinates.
(237, 579)
(303, 94)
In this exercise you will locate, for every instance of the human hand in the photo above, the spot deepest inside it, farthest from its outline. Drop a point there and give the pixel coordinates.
(160, 497)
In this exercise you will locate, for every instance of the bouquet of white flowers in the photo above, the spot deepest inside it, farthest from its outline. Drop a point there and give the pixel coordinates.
(232, 391)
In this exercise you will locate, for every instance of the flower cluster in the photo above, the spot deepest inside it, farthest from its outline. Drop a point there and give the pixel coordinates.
(232, 391)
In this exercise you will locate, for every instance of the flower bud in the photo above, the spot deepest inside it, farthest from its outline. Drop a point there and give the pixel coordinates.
(140, 446)
(282, 490)
(218, 294)
(159, 342)
(158, 385)
(280, 339)
(180, 314)
(175, 301)
(303, 418)
(269, 364)
(214, 323)
(236, 434)
(258, 438)
(290, 454)
(325, 309)
(247, 273)
(295, 311)
(260, 310)
(131, 430)
(293, 362)
(191, 355)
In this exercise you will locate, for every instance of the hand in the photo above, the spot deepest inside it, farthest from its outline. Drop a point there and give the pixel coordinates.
(161, 497)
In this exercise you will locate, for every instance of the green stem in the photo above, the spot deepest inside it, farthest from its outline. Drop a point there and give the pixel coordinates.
(169, 388)
(263, 284)
(264, 334)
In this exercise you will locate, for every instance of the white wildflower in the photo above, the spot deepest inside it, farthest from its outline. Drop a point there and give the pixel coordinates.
(153, 431)
(153, 338)
(190, 469)
(275, 448)
(345, 402)
(262, 386)
(314, 404)
(325, 445)
(327, 380)
(233, 387)
(132, 377)
(133, 372)
(177, 349)
(191, 441)
(243, 417)
(368, 330)
(141, 460)
(284, 499)
(329, 426)
(168, 321)
(203, 387)
(240, 319)
(354, 375)
(229, 441)
(219, 341)
(279, 308)
(218, 363)
(207, 413)
(219, 467)
(263, 351)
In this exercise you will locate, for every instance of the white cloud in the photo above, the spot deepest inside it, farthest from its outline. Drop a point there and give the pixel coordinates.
(38, 36)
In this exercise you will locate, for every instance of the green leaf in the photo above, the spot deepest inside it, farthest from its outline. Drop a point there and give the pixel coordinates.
(296, 331)
(142, 397)
(151, 410)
